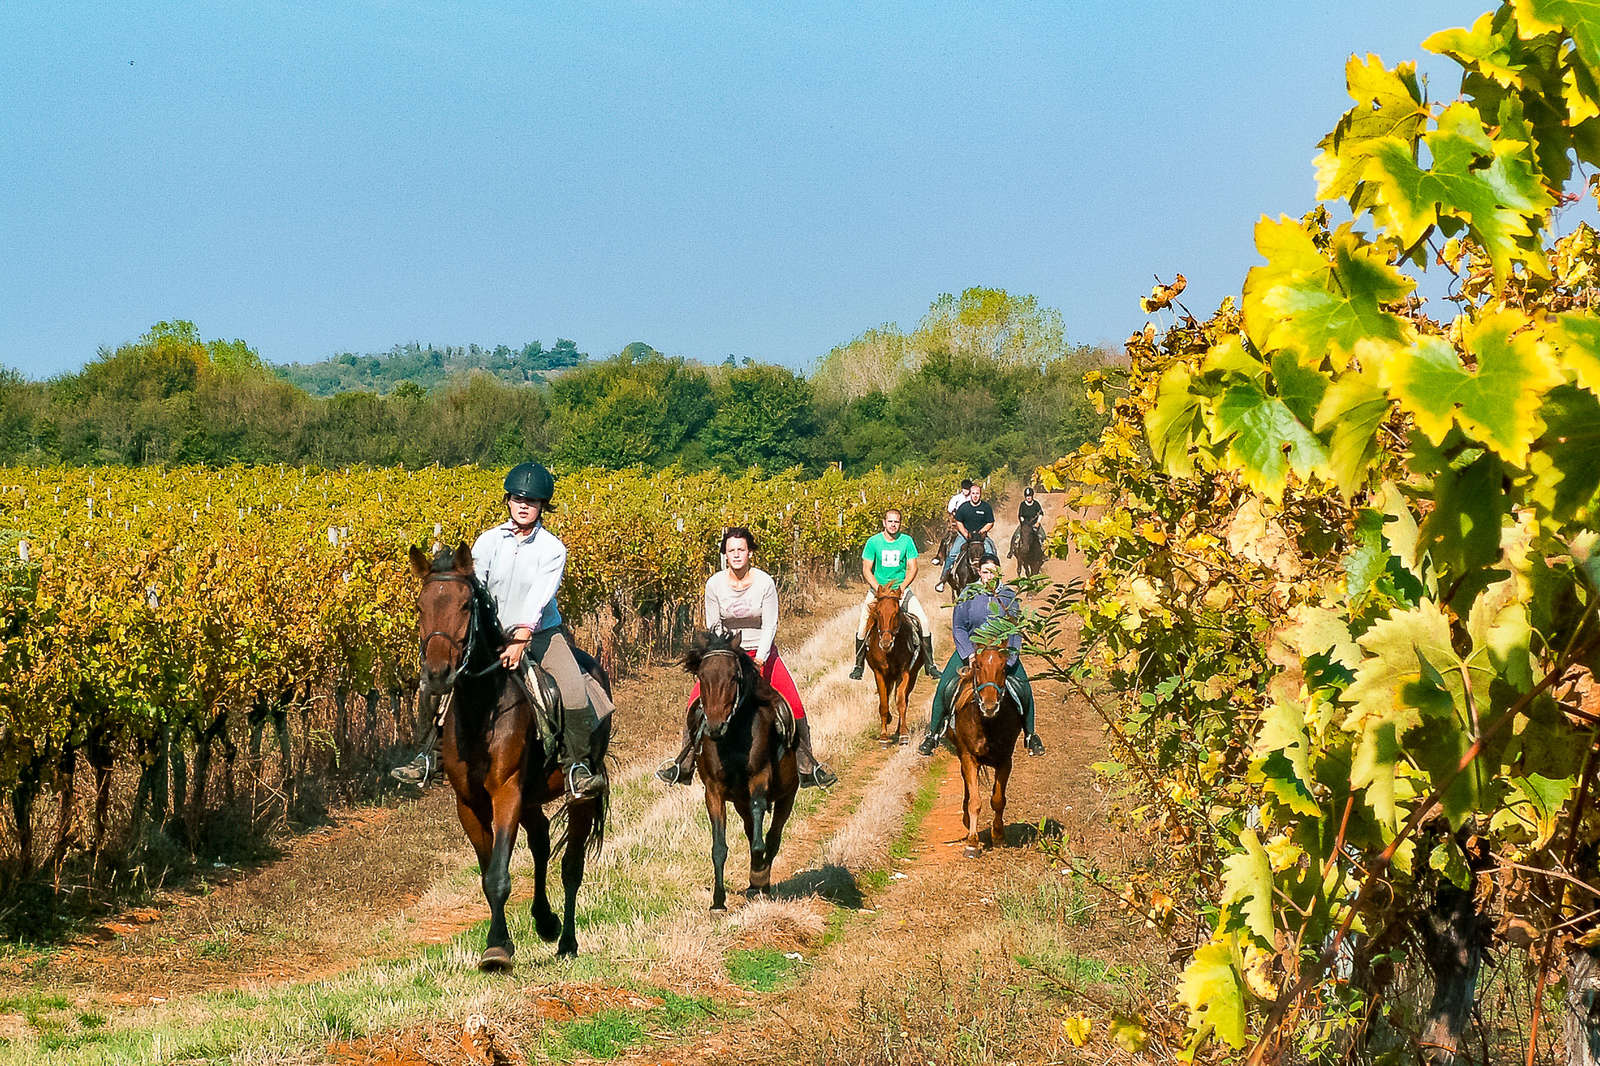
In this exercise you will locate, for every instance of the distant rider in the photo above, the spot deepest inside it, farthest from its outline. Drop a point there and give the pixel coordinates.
(1030, 513)
(971, 614)
(520, 564)
(743, 599)
(973, 519)
(890, 558)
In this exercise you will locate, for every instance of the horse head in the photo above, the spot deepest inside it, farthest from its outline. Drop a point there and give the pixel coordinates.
(726, 675)
(988, 676)
(884, 617)
(447, 615)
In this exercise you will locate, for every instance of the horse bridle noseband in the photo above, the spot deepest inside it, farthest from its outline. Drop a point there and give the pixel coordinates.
(745, 686)
(887, 638)
(468, 645)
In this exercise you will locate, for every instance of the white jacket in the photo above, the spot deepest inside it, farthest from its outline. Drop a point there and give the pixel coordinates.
(521, 574)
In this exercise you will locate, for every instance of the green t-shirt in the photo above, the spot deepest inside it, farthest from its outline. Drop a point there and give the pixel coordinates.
(889, 558)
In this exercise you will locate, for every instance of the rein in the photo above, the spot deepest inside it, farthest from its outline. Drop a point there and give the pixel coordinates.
(746, 686)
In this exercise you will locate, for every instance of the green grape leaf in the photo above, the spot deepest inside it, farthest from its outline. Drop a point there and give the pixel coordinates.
(1367, 558)
(1247, 885)
(1579, 18)
(1448, 860)
(1536, 801)
(1265, 439)
(1498, 404)
(1488, 183)
(1213, 990)
(1174, 422)
(1301, 388)
(1315, 630)
(1282, 756)
(1564, 467)
(1462, 532)
(1301, 303)
(1576, 336)
(1389, 103)
(1353, 408)
(1401, 532)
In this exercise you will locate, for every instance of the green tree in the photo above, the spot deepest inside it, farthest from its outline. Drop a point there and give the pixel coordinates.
(764, 417)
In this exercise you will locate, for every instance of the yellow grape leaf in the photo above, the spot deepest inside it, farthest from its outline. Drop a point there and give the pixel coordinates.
(1498, 403)
(1077, 1029)
(1211, 988)
(1579, 18)
(1247, 885)
(1576, 336)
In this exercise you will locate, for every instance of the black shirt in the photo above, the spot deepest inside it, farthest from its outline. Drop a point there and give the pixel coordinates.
(974, 516)
(1029, 511)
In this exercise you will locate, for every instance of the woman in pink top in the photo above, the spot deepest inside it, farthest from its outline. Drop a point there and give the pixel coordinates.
(743, 599)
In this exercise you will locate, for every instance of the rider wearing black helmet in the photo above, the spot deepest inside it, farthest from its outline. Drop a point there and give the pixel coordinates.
(520, 564)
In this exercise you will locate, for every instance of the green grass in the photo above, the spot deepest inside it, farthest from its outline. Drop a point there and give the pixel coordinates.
(612, 1032)
(761, 969)
(1053, 901)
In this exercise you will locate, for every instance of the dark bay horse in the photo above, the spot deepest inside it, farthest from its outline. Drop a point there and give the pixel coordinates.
(964, 571)
(893, 653)
(1027, 547)
(987, 724)
(502, 771)
(743, 756)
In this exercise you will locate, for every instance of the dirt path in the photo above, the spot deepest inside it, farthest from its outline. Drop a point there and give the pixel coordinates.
(889, 945)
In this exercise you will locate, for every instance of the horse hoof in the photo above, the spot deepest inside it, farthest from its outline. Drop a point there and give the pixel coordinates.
(548, 926)
(496, 960)
(905, 738)
(971, 852)
(567, 951)
(717, 910)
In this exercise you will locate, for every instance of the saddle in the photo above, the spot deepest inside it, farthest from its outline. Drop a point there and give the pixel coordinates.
(546, 694)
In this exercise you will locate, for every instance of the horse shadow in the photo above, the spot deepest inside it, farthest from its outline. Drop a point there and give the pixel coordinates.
(832, 882)
(1026, 834)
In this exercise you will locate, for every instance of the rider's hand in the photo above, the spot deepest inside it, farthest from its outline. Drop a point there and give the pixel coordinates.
(511, 654)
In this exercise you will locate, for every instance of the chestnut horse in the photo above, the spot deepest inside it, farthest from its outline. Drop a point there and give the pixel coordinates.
(743, 755)
(501, 769)
(893, 654)
(1027, 547)
(987, 724)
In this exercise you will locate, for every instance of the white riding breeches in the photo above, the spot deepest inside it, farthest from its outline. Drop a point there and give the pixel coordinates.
(907, 603)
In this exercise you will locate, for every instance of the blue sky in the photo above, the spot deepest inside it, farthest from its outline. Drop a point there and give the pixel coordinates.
(708, 178)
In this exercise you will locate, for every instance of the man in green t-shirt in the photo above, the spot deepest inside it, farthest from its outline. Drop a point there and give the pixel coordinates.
(890, 558)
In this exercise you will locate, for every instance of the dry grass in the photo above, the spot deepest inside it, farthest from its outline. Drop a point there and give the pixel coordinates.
(864, 841)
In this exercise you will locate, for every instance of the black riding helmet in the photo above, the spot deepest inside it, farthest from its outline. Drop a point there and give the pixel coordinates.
(531, 481)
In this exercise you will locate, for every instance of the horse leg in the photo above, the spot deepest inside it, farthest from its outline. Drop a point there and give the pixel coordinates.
(969, 792)
(883, 704)
(507, 806)
(780, 815)
(545, 920)
(903, 697)
(477, 823)
(997, 830)
(580, 823)
(717, 809)
(755, 828)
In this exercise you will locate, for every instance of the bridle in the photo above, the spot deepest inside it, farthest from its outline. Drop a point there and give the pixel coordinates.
(466, 646)
(746, 686)
(978, 687)
(886, 635)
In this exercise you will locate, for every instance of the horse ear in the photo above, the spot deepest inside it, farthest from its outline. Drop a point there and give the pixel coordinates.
(419, 562)
(734, 640)
(463, 558)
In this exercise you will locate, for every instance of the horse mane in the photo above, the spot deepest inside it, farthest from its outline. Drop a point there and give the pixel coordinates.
(704, 642)
(444, 562)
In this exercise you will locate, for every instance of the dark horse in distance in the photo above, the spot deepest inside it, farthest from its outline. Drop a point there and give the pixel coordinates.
(987, 724)
(893, 652)
(503, 772)
(1027, 548)
(745, 756)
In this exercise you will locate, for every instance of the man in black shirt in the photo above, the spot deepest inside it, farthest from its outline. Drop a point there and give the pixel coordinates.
(973, 519)
(1031, 513)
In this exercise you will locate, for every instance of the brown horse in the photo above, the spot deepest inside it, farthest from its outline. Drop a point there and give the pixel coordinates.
(987, 724)
(893, 652)
(743, 755)
(1027, 547)
(501, 769)
(964, 571)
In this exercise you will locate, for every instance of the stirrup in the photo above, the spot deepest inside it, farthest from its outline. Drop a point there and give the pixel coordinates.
(416, 772)
(929, 745)
(583, 782)
(672, 772)
(1034, 745)
(819, 777)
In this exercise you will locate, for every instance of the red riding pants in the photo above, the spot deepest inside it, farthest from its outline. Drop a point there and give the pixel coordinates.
(777, 676)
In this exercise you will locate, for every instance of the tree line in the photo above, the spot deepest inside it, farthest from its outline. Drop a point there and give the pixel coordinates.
(985, 379)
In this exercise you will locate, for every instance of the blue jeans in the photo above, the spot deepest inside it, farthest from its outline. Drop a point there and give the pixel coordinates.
(956, 549)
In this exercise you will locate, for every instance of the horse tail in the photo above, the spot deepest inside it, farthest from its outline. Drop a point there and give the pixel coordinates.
(562, 821)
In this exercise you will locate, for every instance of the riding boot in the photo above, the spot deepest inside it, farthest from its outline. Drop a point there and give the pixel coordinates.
(927, 655)
(679, 770)
(419, 769)
(1030, 736)
(936, 717)
(861, 660)
(812, 773)
(586, 775)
